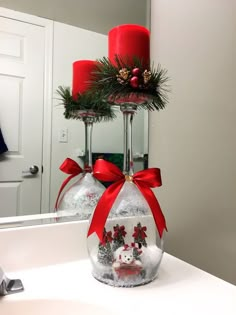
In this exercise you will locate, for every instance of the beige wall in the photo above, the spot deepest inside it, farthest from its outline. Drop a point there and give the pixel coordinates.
(193, 140)
(95, 15)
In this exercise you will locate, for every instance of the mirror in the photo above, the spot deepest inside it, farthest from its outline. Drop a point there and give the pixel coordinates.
(79, 32)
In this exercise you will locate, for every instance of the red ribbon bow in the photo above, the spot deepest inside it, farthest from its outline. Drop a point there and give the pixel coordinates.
(140, 231)
(107, 238)
(144, 180)
(69, 166)
(126, 247)
(119, 231)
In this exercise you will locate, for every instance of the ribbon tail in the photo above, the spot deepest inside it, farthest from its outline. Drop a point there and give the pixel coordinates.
(103, 208)
(154, 206)
(66, 181)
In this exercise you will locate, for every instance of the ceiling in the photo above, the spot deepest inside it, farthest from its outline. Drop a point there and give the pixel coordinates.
(95, 15)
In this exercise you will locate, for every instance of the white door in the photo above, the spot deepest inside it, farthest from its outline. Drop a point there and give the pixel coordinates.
(21, 115)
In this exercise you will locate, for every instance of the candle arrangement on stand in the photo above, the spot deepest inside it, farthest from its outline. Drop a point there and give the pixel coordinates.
(81, 198)
(126, 228)
(125, 236)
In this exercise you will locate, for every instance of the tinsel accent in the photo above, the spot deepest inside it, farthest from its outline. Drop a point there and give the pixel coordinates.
(124, 80)
(89, 102)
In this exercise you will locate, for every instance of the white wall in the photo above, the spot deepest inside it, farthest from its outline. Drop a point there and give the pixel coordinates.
(193, 140)
(71, 44)
(98, 16)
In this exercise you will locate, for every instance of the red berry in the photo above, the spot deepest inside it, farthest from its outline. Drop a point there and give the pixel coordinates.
(136, 71)
(134, 82)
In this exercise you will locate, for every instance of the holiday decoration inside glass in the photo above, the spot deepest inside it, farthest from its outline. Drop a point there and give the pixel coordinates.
(81, 198)
(125, 249)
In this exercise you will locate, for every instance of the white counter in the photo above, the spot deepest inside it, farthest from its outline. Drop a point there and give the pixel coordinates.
(69, 288)
(180, 289)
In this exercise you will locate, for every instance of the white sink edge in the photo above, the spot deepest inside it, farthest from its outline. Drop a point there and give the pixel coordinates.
(42, 245)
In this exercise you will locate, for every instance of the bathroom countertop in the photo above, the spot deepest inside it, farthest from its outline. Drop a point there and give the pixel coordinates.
(180, 289)
(52, 262)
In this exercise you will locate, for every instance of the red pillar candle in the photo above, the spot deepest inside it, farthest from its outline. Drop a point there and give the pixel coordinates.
(82, 70)
(127, 41)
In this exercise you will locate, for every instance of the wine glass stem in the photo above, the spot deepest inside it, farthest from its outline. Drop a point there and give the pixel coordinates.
(88, 163)
(128, 164)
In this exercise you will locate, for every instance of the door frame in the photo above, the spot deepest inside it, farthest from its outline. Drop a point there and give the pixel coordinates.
(48, 26)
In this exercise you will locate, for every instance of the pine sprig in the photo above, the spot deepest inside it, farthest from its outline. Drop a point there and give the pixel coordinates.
(115, 81)
(90, 102)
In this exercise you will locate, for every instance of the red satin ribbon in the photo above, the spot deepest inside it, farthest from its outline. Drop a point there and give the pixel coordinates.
(69, 166)
(144, 180)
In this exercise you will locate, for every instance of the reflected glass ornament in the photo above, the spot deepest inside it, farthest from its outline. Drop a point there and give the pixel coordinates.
(125, 237)
(82, 197)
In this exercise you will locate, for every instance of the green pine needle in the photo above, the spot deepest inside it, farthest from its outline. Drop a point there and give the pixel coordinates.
(154, 91)
(89, 101)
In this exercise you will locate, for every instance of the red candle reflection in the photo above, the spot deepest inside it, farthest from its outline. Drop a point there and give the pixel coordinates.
(82, 70)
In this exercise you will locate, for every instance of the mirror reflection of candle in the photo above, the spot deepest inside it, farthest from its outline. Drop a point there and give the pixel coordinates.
(81, 198)
(82, 70)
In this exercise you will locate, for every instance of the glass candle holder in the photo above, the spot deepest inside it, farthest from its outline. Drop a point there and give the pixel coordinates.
(126, 249)
(82, 197)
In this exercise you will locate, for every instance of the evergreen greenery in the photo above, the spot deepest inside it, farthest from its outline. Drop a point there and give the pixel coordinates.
(115, 81)
(118, 237)
(105, 254)
(91, 101)
(139, 234)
